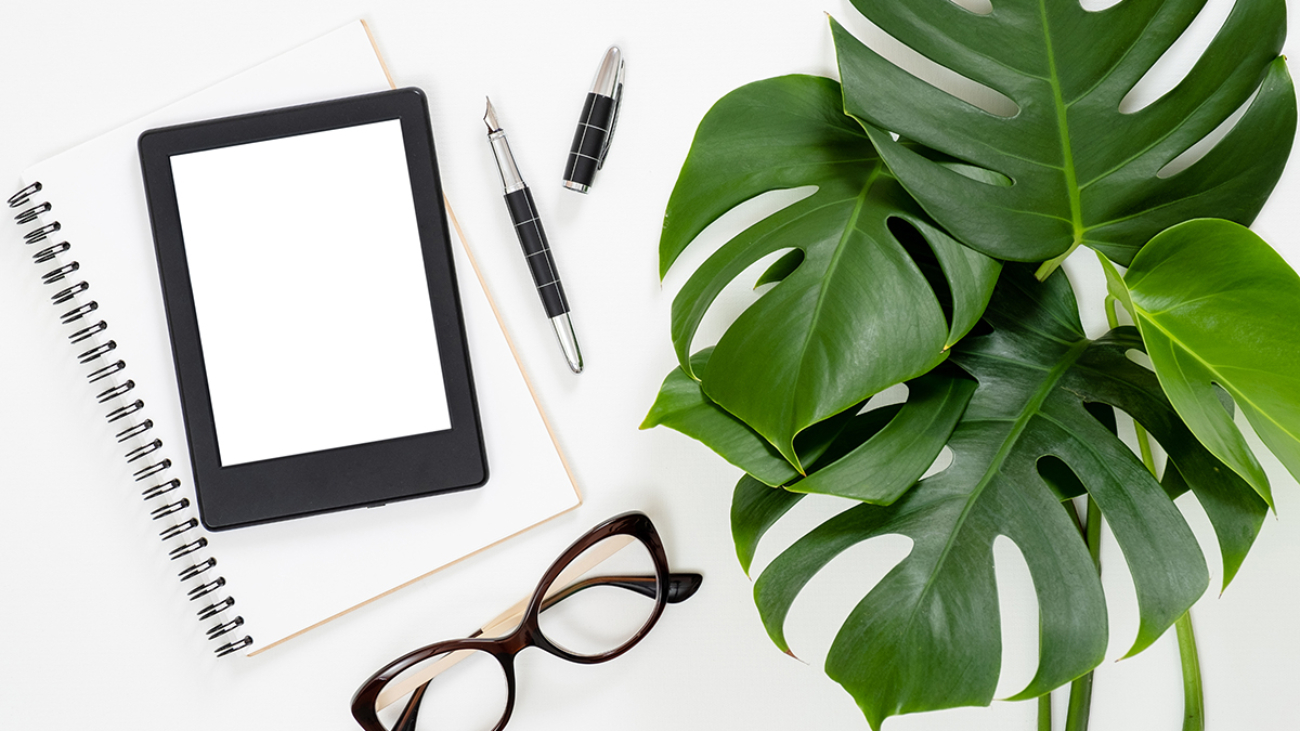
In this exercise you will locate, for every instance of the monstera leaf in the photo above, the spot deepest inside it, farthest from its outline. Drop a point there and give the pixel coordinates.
(682, 405)
(1082, 171)
(852, 312)
(928, 635)
(1208, 297)
(873, 457)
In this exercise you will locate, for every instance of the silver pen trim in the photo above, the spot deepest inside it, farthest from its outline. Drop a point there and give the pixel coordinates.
(610, 74)
(568, 341)
(511, 180)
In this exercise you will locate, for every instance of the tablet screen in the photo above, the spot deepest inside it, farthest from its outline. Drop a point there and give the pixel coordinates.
(310, 292)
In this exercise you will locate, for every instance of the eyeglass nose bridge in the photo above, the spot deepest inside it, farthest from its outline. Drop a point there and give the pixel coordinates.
(506, 657)
(502, 649)
(529, 634)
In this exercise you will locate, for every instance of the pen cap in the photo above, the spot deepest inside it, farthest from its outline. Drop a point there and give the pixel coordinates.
(595, 124)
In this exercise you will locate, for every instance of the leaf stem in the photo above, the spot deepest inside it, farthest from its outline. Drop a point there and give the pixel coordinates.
(1144, 446)
(1094, 533)
(1193, 693)
(1046, 268)
(1112, 319)
(1045, 712)
(1079, 710)
(1077, 713)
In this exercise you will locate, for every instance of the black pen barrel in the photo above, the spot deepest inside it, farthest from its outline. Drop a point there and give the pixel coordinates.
(537, 251)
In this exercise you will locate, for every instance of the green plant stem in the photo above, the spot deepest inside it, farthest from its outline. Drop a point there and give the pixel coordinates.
(1045, 712)
(1108, 305)
(1144, 447)
(1193, 693)
(1046, 268)
(1078, 712)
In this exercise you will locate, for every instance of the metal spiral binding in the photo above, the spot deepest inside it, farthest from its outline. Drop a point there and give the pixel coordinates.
(142, 451)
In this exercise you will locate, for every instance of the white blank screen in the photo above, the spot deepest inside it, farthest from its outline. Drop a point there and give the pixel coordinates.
(310, 292)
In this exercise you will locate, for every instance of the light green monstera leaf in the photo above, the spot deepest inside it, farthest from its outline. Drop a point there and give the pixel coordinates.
(1082, 171)
(852, 311)
(1219, 309)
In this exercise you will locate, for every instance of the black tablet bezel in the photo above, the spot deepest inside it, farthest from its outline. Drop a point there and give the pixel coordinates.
(363, 475)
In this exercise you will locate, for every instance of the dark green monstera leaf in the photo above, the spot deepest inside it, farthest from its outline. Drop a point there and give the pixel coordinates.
(873, 457)
(1082, 171)
(682, 405)
(853, 312)
(928, 636)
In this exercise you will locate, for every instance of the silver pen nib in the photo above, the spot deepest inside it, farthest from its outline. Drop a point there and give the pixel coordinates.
(490, 118)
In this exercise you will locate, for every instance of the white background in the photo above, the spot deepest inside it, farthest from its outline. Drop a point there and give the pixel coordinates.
(114, 648)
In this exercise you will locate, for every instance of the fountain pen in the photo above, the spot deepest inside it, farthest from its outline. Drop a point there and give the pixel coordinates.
(532, 239)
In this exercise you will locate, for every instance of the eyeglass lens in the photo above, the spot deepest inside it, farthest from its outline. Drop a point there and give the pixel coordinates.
(606, 608)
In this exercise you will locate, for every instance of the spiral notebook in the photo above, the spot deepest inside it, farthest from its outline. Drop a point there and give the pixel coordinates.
(83, 216)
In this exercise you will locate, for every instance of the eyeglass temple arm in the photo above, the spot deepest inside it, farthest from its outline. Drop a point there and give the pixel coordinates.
(680, 587)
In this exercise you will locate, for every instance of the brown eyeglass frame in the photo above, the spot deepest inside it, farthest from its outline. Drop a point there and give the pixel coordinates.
(667, 588)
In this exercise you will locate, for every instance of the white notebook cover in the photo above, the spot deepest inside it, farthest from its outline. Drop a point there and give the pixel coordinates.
(289, 577)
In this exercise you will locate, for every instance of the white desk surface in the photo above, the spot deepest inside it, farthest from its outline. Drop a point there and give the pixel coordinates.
(92, 633)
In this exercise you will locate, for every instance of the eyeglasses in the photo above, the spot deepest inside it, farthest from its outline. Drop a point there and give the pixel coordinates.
(599, 598)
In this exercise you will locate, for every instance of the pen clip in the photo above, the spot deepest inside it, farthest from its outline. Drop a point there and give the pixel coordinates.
(613, 121)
